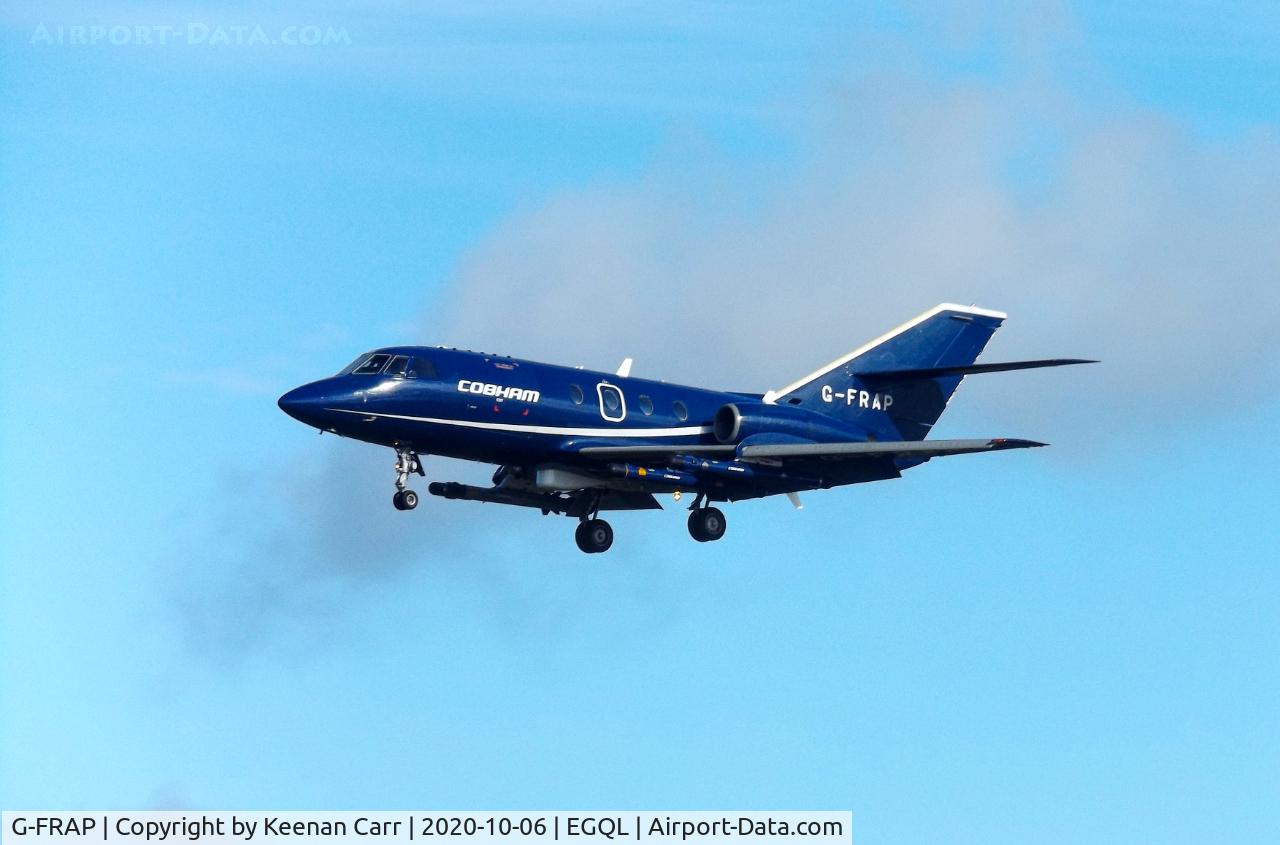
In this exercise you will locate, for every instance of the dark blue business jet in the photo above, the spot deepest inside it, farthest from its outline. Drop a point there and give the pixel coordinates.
(577, 442)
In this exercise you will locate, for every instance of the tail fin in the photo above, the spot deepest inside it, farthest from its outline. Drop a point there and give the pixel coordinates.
(862, 388)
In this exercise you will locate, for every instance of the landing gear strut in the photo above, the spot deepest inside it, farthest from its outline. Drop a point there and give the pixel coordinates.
(406, 462)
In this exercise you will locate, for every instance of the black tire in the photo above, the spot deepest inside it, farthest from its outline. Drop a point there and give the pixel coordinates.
(398, 500)
(409, 500)
(695, 526)
(706, 525)
(594, 536)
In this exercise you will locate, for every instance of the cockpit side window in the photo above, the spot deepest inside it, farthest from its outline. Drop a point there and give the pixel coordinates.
(372, 366)
(398, 366)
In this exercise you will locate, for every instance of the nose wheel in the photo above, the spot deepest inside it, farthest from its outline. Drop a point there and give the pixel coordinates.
(407, 462)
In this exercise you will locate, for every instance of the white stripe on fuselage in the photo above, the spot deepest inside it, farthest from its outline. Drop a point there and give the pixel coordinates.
(544, 429)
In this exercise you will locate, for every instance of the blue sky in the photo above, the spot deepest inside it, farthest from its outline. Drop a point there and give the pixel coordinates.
(202, 604)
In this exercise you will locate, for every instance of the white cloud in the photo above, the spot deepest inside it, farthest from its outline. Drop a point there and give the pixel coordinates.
(1119, 236)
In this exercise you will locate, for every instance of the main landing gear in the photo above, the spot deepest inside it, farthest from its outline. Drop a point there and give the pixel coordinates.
(594, 536)
(406, 462)
(706, 524)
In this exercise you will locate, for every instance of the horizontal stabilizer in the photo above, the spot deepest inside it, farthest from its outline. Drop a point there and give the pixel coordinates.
(966, 370)
(884, 449)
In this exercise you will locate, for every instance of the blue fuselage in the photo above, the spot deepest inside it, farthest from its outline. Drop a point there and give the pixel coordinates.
(502, 410)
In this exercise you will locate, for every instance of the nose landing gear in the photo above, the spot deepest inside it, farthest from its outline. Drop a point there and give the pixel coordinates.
(405, 500)
(406, 462)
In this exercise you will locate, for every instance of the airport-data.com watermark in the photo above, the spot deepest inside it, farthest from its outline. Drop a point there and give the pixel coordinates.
(193, 34)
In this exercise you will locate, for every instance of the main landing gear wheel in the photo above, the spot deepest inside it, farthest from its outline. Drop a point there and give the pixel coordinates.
(706, 524)
(594, 536)
(405, 500)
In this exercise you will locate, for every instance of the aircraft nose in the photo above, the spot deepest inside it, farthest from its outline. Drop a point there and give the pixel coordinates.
(302, 403)
(289, 401)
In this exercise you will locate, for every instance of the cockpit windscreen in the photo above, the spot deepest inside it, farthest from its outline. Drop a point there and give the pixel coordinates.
(401, 366)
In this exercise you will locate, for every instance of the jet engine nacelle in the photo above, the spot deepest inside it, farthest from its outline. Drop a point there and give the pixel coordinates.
(735, 422)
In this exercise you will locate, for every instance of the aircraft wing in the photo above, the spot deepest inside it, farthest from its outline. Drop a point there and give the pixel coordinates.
(819, 451)
(880, 449)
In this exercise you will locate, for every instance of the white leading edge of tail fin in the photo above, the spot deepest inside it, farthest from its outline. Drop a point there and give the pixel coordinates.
(771, 396)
